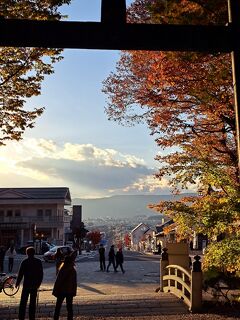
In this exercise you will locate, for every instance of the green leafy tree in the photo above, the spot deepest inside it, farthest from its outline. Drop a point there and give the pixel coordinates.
(22, 70)
(79, 233)
(224, 255)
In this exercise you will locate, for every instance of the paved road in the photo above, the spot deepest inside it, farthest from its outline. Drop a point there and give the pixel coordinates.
(91, 256)
(104, 293)
(110, 296)
(139, 270)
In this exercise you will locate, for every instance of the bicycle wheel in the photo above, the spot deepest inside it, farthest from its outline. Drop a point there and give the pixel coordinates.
(9, 286)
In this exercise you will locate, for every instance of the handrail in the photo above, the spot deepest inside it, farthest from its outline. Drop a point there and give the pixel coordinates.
(179, 268)
(182, 283)
(174, 282)
(179, 280)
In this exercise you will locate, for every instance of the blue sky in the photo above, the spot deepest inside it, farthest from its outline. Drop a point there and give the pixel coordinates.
(73, 144)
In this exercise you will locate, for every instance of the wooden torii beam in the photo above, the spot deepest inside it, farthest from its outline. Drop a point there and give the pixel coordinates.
(97, 35)
(113, 33)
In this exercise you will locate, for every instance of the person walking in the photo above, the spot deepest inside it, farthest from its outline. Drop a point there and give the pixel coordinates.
(191, 245)
(2, 256)
(101, 251)
(119, 260)
(111, 258)
(65, 287)
(59, 258)
(159, 247)
(11, 253)
(31, 270)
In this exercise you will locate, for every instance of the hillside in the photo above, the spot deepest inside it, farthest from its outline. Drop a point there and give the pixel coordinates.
(120, 206)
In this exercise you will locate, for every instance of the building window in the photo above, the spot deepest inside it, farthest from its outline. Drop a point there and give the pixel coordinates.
(40, 214)
(18, 213)
(9, 213)
(1, 215)
(48, 212)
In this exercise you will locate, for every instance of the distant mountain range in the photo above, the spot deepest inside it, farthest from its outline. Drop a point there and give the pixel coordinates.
(121, 206)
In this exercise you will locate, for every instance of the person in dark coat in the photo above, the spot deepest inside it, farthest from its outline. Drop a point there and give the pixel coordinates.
(59, 258)
(159, 247)
(191, 245)
(119, 260)
(101, 251)
(2, 256)
(111, 258)
(32, 271)
(65, 287)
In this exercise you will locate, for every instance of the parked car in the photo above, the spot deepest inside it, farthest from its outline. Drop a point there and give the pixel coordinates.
(46, 246)
(50, 255)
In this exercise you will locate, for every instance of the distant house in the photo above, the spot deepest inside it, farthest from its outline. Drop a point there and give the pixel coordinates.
(137, 234)
(165, 233)
(147, 242)
(27, 213)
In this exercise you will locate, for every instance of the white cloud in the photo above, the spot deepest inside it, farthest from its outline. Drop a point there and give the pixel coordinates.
(148, 184)
(84, 168)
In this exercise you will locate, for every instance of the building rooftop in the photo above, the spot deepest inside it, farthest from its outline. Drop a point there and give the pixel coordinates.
(36, 193)
(159, 228)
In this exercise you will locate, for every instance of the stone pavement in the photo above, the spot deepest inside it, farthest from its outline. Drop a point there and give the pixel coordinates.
(104, 294)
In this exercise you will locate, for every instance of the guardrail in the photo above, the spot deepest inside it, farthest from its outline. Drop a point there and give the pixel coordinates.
(185, 284)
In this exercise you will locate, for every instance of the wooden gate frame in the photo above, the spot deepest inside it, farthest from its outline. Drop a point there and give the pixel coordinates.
(113, 33)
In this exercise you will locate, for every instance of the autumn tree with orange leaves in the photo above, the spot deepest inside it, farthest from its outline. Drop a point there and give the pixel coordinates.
(95, 237)
(186, 99)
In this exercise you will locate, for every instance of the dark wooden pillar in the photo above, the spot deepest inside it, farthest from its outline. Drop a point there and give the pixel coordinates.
(234, 22)
(113, 11)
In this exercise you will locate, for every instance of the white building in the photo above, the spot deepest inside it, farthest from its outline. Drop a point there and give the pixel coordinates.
(137, 234)
(26, 213)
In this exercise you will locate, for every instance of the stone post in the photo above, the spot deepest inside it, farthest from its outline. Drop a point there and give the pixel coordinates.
(196, 285)
(163, 263)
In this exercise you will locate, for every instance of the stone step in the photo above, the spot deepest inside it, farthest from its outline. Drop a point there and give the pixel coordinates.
(167, 305)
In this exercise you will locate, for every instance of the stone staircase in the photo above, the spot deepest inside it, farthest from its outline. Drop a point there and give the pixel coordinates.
(131, 305)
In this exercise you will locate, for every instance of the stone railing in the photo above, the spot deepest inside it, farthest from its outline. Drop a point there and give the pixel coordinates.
(185, 284)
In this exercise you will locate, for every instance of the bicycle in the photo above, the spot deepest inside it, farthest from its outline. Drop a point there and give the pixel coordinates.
(7, 284)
